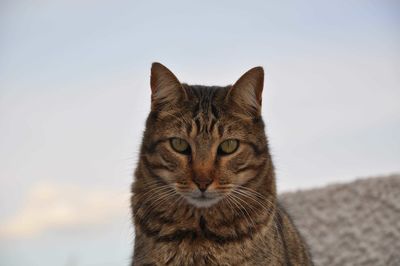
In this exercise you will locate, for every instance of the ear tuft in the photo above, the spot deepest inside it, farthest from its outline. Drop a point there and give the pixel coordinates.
(246, 93)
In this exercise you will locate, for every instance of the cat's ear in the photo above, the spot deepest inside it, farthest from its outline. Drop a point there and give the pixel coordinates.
(246, 92)
(165, 87)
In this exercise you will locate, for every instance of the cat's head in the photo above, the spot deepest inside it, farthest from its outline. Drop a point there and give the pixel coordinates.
(204, 141)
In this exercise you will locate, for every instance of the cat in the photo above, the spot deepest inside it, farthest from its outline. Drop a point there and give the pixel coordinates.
(204, 192)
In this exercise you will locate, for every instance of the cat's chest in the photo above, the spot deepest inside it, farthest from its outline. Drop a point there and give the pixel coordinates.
(199, 253)
(203, 253)
(198, 245)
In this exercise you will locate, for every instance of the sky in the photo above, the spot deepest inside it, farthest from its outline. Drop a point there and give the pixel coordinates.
(74, 95)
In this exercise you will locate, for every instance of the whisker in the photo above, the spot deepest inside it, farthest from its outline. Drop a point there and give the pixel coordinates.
(249, 194)
(239, 199)
(234, 201)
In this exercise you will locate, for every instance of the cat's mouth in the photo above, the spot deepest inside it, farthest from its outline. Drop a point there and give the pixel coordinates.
(203, 200)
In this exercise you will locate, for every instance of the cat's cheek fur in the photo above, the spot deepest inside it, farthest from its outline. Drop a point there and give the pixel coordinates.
(165, 175)
(244, 177)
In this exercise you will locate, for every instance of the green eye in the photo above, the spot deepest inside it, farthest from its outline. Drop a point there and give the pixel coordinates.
(180, 145)
(228, 146)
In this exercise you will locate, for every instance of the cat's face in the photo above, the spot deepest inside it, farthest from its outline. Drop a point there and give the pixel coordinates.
(204, 141)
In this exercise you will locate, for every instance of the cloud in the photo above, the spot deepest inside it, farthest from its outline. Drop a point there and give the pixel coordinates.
(50, 207)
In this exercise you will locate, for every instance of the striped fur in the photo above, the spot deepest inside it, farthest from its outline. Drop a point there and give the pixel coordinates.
(240, 221)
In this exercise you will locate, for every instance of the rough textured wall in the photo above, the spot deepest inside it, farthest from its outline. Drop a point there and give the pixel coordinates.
(350, 224)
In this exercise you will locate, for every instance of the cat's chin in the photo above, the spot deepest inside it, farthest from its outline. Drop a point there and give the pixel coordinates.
(202, 202)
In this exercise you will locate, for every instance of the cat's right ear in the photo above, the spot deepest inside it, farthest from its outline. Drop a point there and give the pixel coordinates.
(165, 87)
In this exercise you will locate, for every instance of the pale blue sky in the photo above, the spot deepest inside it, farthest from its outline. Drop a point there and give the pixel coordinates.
(74, 94)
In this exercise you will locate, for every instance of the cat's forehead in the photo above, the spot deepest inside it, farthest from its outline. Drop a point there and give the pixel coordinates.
(205, 95)
(205, 105)
(204, 114)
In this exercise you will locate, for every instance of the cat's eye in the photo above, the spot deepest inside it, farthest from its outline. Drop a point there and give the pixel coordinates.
(228, 146)
(180, 145)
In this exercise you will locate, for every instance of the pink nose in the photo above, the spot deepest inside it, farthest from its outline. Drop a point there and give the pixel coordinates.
(202, 183)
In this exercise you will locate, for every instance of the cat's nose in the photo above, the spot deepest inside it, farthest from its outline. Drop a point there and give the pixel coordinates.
(202, 183)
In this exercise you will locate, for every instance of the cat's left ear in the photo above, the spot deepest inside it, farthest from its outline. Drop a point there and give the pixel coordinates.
(246, 92)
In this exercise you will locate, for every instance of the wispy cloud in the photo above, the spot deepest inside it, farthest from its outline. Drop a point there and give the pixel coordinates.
(50, 206)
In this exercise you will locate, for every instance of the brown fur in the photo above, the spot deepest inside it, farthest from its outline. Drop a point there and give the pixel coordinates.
(241, 222)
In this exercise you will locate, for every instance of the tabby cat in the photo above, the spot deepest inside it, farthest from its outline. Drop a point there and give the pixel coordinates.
(204, 192)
